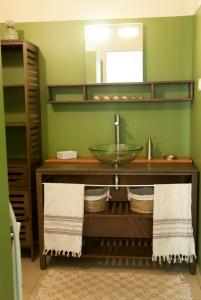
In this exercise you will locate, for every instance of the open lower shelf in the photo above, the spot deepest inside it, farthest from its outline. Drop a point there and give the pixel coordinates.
(117, 247)
(118, 221)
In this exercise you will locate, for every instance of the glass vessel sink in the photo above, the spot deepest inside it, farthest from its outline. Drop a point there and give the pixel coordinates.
(115, 153)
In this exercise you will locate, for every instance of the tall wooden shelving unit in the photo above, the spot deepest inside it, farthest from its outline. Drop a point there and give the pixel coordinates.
(20, 65)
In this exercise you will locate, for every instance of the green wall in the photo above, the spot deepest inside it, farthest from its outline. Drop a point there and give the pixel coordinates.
(6, 287)
(168, 53)
(168, 46)
(196, 112)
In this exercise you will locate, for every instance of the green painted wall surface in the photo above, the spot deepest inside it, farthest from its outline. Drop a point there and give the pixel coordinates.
(6, 285)
(168, 52)
(196, 113)
(168, 46)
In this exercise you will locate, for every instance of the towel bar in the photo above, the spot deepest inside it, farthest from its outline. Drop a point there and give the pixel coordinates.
(113, 185)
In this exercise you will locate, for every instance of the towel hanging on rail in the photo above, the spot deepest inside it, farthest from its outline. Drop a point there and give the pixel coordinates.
(173, 239)
(63, 218)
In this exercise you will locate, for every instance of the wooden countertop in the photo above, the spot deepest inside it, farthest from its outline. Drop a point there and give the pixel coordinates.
(141, 160)
(90, 166)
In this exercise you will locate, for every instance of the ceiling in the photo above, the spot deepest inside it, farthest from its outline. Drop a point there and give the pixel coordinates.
(51, 10)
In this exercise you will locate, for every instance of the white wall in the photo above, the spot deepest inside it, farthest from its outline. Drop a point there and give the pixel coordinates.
(51, 10)
(198, 3)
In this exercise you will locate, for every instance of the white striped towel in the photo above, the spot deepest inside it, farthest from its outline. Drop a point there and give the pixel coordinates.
(173, 239)
(63, 218)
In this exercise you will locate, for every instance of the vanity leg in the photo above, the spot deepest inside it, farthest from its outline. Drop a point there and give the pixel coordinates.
(40, 218)
(194, 181)
(192, 267)
(43, 261)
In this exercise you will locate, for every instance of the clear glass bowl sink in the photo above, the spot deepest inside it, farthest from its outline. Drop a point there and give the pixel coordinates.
(115, 153)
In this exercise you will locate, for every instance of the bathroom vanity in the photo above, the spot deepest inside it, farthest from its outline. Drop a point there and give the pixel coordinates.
(117, 233)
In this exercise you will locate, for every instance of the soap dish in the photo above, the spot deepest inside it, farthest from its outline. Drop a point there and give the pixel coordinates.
(66, 154)
(170, 157)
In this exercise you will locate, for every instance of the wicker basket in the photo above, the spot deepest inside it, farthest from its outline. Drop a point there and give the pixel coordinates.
(141, 199)
(95, 200)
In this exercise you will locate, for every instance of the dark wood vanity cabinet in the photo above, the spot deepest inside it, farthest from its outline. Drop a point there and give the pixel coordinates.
(117, 232)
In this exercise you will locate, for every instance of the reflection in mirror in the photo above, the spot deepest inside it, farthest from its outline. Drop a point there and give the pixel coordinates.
(114, 52)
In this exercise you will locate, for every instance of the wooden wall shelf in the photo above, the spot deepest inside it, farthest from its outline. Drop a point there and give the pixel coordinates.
(136, 92)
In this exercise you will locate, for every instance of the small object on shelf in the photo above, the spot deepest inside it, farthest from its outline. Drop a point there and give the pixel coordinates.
(106, 97)
(170, 157)
(124, 98)
(95, 200)
(115, 98)
(67, 154)
(133, 98)
(10, 32)
(149, 148)
(97, 98)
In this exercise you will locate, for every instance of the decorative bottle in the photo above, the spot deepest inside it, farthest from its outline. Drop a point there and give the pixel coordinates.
(10, 32)
(149, 148)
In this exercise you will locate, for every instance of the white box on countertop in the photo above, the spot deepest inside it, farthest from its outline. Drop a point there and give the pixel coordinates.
(67, 154)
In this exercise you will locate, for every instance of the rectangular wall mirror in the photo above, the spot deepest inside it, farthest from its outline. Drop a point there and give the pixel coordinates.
(114, 52)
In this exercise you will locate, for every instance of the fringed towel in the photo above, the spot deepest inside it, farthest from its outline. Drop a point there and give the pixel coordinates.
(172, 224)
(63, 218)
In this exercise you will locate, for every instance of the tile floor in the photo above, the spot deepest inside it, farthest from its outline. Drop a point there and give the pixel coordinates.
(32, 275)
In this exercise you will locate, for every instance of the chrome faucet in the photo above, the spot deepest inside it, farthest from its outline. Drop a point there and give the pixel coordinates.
(117, 143)
(117, 127)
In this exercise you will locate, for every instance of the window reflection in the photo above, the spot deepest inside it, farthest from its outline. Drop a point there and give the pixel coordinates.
(123, 66)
